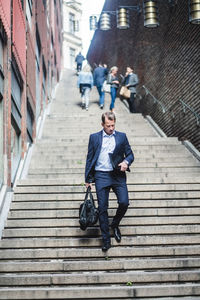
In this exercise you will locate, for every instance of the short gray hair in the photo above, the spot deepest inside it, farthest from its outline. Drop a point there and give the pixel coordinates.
(109, 115)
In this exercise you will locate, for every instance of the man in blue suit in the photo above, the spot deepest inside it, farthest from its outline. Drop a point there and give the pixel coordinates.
(100, 74)
(109, 156)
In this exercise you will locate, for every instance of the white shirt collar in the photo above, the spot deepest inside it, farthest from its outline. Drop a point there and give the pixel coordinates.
(108, 135)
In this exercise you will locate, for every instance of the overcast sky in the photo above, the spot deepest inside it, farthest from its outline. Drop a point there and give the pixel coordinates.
(89, 7)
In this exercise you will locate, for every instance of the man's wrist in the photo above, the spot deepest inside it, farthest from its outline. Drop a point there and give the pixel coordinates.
(126, 161)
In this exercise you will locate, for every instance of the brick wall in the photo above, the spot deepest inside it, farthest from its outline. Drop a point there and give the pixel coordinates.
(19, 73)
(166, 60)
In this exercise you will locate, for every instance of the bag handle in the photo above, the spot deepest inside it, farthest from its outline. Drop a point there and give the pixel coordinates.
(89, 193)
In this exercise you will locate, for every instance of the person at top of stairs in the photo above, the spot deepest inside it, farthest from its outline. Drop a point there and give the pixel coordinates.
(109, 156)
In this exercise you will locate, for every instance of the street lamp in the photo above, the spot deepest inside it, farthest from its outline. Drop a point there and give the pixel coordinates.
(194, 11)
(123, 18)
(150, 11)
(105, 21)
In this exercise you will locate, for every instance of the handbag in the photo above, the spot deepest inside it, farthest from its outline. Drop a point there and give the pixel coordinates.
(88, 213)
(106, 87)
(125, 92)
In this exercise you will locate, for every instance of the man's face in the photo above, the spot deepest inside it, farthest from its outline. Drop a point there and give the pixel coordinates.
(129, 70)
(108, 126)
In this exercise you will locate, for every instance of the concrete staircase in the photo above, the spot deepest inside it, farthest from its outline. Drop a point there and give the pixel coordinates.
(45, 255)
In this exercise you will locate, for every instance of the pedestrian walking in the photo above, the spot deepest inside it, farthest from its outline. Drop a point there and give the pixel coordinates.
(85, 83)
(114, 82)
(131, 81)
(109, 157)
(79, 61)
(100, 75)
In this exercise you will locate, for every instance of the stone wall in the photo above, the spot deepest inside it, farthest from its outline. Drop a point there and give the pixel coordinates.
(166, 60)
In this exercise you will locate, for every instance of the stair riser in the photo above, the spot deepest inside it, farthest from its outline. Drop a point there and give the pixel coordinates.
(99, 278)
(168, 196)
(128, 249)
(101, 293)
(117, 265)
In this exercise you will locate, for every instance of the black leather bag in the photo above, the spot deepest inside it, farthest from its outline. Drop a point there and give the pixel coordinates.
(88, 213)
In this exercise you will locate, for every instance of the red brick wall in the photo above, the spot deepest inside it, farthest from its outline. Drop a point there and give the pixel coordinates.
(166, 60)
(21, 43)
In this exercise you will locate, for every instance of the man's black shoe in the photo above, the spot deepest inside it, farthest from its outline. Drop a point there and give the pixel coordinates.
(117, 234)
(106, 246)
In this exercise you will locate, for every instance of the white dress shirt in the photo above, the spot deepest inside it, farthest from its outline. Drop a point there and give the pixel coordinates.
(108, 145)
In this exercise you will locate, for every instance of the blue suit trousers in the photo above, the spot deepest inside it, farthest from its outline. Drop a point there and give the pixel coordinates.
(104, 181)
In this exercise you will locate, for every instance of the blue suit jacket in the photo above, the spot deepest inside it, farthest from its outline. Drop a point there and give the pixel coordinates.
(100, 74)
(122, 151)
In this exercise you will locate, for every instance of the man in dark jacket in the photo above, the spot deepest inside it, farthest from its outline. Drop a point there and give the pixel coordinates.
(109, 156)
(79, 60)
(100, 74)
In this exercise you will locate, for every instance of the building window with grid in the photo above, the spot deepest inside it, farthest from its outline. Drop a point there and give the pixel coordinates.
(71, 57)
(29, 4)
(71, 23)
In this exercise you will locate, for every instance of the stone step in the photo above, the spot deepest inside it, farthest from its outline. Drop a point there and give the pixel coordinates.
(132, 178)
(65, 188)
(77, 116)
(45, 249)
(104, 292)
(59, 173)
(148, 179)
(117, 264)
(35, 230)
(148, 150)
(64, 175)
(85, 135)
(132, 212)
(127, 221)
(147, 196)
(134, 141)
(138, 154)
(75, 203)
(85, 130)
(98, 278)
(51, 158)
(75, 163)
(134, 204)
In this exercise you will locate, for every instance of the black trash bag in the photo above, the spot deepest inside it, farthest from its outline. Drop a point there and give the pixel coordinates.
(88, 213)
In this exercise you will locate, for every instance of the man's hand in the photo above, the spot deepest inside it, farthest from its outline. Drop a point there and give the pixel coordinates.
(88, 184)
(123, 166)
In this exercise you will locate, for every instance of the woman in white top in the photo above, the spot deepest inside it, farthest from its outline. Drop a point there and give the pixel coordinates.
(85, 84)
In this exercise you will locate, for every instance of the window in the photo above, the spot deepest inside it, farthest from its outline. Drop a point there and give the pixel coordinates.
(1, 69)
(29, 4)
(29, 123)
(22, 4)
(16, 90)
(1, 111)
(1, 54)
(44, 3)
(15, 148)
(1, 143)
(44, 84)
(72, 57)
(71, 23)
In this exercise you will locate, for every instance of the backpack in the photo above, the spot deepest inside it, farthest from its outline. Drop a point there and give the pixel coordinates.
(88, 213)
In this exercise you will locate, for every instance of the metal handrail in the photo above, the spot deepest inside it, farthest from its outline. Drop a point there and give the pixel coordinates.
(155, 100)
(170, 109)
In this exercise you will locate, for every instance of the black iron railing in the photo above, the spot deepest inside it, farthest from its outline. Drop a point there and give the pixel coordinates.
(184, 106)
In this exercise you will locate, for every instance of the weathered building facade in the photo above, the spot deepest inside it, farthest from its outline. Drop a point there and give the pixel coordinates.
(166, 60)
(30, 66)
(72, 42)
